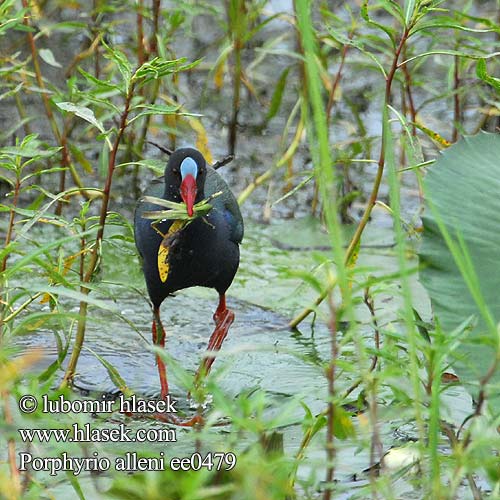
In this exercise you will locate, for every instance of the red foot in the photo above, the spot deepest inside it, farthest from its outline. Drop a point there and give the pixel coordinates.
(168, 418)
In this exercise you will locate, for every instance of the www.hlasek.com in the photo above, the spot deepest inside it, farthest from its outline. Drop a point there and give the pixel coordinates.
(86, 434)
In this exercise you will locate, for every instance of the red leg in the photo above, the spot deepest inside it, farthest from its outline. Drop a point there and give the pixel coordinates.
(223, 318)
(159, 339)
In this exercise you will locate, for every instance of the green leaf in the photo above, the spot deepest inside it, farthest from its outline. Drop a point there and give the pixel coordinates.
(120, 59)
(157, 109)
(100, 84)
(460, 253)
(445, 22)
(162, 202)
(8, 181)
(10, 20)
(30, 147)
(83, 112)
(113, 373)
(48, 57)
(343, 427)
(277, 95)
(79, 157)
(156, 166)
(104, 161)
(344, 40)
(391, 33)
(76, 484)
(42, 171)
(409, 9)
(27, 259)
(33, 322)
(87, 115)
(251, 33)
(159, 67)
(482, 73)
(450, 53)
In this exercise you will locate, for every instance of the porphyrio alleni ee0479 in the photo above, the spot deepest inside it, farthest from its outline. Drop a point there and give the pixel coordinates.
(203, 253)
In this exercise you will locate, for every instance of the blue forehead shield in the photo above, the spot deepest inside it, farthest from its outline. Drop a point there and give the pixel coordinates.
(189, 167)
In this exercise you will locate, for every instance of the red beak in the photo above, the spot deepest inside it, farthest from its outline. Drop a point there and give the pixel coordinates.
(188, 192)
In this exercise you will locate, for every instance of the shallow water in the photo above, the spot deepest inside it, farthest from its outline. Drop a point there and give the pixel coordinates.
(260, 353)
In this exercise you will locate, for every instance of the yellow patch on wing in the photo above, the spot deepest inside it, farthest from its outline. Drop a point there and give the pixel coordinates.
(164, 250)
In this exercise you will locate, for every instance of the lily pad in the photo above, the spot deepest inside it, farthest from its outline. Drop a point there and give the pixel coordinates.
(461, 268)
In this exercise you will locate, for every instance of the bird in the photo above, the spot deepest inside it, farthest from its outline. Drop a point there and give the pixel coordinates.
(204, 252)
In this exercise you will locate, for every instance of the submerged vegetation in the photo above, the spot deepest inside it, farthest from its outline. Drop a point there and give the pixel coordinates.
(338, 379)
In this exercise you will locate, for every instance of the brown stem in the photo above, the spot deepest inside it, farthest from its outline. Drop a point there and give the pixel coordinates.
(369, 303)
(454, 437)
(153, 43)
(10, 226)
(381, 161)
(409, 94)
(375, 188)
(96, 8)
(96, 250)
(336, 81)
(93, 48)
(482, 395)
(476, 492)
(376, 448)
(8, 238)
(65, 158)
(142, 57)
(368, 300)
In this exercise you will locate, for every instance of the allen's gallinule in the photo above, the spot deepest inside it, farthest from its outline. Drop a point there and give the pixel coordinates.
(203, 253)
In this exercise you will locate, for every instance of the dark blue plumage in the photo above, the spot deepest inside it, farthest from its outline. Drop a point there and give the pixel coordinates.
(204, 253)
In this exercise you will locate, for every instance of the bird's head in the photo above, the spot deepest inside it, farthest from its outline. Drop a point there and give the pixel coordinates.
(185, 177)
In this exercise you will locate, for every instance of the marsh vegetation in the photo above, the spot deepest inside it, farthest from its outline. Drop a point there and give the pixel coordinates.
(339, 378)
